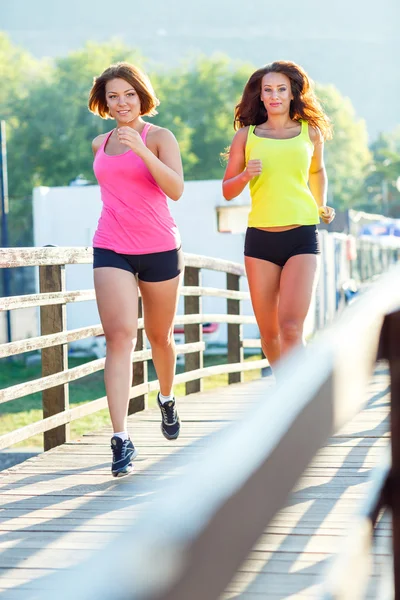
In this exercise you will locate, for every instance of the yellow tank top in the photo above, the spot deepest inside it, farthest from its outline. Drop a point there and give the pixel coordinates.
(280, 195)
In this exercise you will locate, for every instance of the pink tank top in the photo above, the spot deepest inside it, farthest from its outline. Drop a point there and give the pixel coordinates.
(135, 217)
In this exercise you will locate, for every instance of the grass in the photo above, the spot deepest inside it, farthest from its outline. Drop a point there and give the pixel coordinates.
(23, 411)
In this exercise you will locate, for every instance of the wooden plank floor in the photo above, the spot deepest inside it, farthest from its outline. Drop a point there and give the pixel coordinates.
(59, 507)
(293, 553)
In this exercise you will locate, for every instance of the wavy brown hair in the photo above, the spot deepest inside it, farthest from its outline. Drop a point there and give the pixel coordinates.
(305, 105)
(133, 75)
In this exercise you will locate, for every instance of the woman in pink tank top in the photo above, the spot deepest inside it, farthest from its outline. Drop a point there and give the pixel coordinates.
(136, 245)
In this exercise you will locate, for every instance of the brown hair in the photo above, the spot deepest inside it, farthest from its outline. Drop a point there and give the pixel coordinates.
(138, 80)
(251, 110)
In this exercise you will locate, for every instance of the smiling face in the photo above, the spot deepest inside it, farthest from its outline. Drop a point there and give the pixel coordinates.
(122, 100)
(276, 93)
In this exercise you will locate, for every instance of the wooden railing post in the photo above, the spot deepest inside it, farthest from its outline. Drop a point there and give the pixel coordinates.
(235, 332)
(193, 333)
(140, 370)
(363, 260)
(53, 319)
(359, 260)
(391, 351)
(370, 260)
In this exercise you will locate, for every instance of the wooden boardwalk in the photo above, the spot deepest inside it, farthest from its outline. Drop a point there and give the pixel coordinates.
(292, 555)
(59, 507)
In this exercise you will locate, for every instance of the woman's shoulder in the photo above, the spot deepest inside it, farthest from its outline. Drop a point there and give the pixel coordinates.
(314, 133)
(97, 142)
(160, 134)
(243, 131)
(239, 141)
(240, 137)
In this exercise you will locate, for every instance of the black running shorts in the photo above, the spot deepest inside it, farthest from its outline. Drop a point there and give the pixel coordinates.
(278, 246)
(157, 266)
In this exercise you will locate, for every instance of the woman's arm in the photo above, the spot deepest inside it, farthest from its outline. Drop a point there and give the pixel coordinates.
(166, 168)
(317, 179)
(236, 175)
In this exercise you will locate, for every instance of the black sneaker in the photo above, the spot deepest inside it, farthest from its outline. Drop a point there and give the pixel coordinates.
(123, 454)
(170, 425)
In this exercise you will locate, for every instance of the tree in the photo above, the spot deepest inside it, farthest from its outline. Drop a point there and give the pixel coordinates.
(347, 155)
(17, 70)
(199, 100)
(53, 139)
(381, 183)
(51, 128)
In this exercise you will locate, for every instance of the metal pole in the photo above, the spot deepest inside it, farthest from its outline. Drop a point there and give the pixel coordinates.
(4, 216)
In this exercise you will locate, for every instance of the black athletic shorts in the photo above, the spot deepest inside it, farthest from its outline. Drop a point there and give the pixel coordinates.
(157, 266)
(278, 246)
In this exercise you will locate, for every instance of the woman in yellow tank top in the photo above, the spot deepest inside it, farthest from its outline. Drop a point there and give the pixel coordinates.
(278, 151)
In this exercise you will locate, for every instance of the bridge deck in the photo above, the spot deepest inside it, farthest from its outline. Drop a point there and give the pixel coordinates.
(291, 556)
(58, 507)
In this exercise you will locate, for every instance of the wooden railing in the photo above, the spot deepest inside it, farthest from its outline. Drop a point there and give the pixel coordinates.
(374, 258)
(193, 539)
(54, 339)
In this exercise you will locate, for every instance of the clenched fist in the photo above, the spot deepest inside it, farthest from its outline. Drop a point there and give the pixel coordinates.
(253, 169)
(327, 214)
(131, 138)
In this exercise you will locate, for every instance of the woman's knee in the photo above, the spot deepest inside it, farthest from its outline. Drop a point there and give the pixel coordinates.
(291, 330)
(269, 335)
(121, 338)
(161, 339)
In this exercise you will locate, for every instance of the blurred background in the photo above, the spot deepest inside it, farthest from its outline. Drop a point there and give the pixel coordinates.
(199, 57)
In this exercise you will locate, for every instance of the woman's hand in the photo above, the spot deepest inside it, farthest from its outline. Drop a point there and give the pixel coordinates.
(327, 214)
(253, 168)
(131, 138)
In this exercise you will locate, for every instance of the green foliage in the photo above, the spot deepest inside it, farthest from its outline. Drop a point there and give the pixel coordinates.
(17, 70)
(50, 129)
(201, 98)
(347, 155)
(381, 193)
(52, 142)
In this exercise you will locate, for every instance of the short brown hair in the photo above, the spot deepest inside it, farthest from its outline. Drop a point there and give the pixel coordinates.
(133, 75)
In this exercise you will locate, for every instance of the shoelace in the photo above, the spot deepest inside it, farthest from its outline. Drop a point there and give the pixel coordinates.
(171, 419)
(123, 450)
